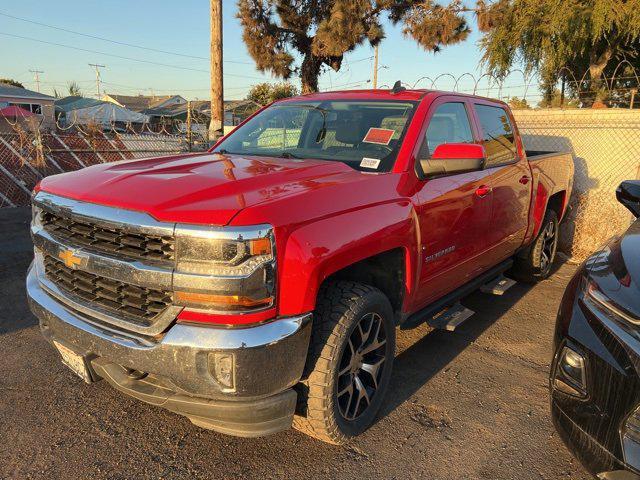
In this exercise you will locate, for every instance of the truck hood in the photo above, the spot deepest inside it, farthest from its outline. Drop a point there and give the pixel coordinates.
(196, 188)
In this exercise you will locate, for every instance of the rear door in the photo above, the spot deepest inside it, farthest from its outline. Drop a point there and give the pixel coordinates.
(509, 176)
(453, 217)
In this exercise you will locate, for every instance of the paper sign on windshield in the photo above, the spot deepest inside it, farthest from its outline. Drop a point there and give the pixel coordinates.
(370, 162)
(381, 136)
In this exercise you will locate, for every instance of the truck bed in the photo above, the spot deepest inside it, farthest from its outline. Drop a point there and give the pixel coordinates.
(534, 155)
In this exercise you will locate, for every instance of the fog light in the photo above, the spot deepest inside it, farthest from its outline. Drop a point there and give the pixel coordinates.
(570, 374)
(631, 439)
(223, 369)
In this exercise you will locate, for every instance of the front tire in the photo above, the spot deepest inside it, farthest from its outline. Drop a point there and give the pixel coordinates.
(536, 262)
(350, 362)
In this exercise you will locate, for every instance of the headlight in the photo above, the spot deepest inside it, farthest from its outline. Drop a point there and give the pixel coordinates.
(600, 304)
(225, 269)
(596, 300)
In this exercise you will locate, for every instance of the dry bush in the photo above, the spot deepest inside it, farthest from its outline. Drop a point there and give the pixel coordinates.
(595, 217)
(28, 141)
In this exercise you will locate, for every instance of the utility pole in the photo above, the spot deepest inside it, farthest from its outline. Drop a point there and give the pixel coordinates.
(375, 67)
(36, 77)
(217, 98)
(633, 97)
(97, 68)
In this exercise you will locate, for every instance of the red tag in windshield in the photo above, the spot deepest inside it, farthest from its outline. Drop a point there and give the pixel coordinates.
(381, 136)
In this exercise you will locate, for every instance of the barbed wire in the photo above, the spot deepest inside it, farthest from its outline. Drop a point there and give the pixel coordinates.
(582, 86)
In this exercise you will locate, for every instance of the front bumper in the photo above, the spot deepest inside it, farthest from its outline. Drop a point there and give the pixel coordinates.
(176, 370)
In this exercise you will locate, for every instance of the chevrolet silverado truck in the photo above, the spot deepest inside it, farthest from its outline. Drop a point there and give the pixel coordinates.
(259, 285)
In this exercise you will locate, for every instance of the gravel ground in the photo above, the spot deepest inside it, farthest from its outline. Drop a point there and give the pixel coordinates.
(466, 405)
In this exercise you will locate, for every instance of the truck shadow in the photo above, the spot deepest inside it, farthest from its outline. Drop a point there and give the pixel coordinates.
(419, 363)
(583, 183)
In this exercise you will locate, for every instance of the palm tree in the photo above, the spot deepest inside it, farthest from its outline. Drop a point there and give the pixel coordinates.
(74, 89)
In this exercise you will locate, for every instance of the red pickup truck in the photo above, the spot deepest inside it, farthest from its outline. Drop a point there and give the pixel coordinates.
(260, 284)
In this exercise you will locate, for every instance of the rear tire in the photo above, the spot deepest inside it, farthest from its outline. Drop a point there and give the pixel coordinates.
(350, 361)
(536, 262)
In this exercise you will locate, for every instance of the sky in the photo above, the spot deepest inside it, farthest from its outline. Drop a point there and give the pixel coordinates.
(183, 28)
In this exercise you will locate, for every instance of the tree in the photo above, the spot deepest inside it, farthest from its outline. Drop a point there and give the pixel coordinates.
(74, 89)
(518, 103)
(555, 100)
(321, 32)
(554, 37)
(261, 93)
(265, 93)
(13, 83)
(283, 90)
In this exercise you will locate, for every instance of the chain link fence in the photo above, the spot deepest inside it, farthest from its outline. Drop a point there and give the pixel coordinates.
(29, 152)
(605, 145)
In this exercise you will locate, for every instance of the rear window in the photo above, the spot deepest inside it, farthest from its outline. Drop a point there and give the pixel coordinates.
(498, 136)
(364, 134)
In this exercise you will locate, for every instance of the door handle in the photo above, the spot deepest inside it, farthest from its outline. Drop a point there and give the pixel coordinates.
(524, 180)
(483, 191)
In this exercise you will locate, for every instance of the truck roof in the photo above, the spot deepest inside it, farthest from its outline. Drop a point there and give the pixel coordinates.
(381, 94)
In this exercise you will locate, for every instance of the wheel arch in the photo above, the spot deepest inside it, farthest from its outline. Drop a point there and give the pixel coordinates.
(362, 246)
(386, 271)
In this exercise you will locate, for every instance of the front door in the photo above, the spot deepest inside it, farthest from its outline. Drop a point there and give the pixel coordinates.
(453, 211)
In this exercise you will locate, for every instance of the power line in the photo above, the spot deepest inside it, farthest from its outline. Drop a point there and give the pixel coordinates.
(123, 57)
(95, 37)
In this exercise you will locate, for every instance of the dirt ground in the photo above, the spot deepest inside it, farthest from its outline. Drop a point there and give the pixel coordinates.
(472, 404)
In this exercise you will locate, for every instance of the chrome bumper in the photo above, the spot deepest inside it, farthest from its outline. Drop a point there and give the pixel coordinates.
(267, 359)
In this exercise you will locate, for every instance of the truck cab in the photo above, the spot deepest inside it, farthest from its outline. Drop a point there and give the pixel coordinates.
(260, 284)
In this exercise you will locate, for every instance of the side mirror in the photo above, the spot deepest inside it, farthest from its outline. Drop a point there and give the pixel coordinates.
(628, 194)
(452, 158)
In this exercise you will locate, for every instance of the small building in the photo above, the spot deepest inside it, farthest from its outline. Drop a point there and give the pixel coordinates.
(235, 111)
(75, 110)
(37, 103)
(139, 103)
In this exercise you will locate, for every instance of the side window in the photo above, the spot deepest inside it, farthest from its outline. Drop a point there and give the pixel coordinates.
(449, 124)
(498, 137)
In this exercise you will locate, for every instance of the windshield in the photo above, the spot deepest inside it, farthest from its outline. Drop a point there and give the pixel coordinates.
(365, 135)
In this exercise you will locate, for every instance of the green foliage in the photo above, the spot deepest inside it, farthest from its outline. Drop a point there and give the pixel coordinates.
(13, 83)
(284, 90)
(265, 93)
(432, 25)
(518, 103)
(555, 101)
(260, 93)
(74, 89)
(554, 37)
(321, 32)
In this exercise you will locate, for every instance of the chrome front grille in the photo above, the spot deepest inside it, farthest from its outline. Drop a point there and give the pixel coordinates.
(142, 304)
(110, 240)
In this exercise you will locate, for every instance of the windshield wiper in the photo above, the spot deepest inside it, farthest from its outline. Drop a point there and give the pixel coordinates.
(222, 151)
(288, 155)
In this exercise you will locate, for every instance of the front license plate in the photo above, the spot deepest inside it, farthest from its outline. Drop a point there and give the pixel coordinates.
(74, 361)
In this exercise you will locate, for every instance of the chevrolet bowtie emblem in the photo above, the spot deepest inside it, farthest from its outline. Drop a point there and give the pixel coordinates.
(70, 259)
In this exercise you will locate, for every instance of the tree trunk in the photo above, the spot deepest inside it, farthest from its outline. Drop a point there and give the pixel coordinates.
(217, 101)
(598, 61)
(309, 73)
